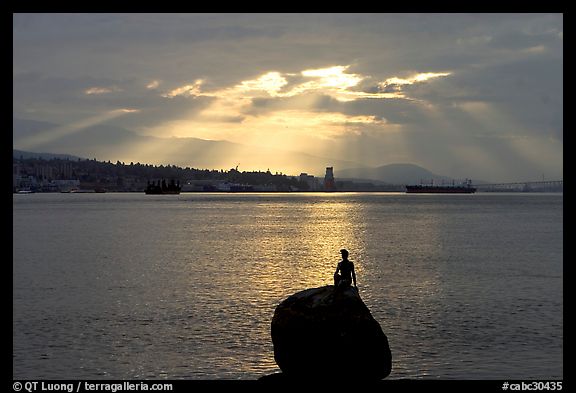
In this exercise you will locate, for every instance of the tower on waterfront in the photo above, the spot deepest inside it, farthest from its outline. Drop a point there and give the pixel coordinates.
(329, 184)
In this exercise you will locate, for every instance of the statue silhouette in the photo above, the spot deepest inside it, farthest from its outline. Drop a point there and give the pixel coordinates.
(346, 270)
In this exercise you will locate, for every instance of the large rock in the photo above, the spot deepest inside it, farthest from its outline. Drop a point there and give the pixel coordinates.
(327, 333)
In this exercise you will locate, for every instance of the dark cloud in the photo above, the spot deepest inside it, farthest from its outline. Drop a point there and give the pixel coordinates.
(52, 97)
(315, 102)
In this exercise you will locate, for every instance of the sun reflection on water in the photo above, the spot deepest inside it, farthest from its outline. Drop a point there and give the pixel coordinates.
(300, 244)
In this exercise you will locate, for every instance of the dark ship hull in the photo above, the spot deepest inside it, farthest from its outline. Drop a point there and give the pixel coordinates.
(161, 192)
(163, 188)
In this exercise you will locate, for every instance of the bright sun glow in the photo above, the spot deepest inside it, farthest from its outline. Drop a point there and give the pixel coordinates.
(417, 78)
(186, 90)
(334, 77)
(281, 123)
(101, 90)
(271, 83)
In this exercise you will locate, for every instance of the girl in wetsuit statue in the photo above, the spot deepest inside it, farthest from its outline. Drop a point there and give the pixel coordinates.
(346, 269)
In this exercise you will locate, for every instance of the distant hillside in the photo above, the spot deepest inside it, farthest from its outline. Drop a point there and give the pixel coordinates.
(46, 156)
(392, 173)
(106, 142)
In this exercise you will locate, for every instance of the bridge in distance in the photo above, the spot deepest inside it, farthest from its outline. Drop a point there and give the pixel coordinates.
(530, 186)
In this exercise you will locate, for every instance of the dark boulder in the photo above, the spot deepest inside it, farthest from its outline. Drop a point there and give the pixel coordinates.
(327, 333)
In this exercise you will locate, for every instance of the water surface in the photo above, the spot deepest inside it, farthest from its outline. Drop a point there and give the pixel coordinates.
(133, 286)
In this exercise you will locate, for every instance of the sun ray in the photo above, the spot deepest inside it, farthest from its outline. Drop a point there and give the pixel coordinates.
(58, 132)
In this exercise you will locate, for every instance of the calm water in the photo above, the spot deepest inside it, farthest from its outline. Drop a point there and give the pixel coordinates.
(134, 286)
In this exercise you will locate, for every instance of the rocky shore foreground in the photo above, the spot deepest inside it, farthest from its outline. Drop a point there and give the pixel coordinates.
(328, 333)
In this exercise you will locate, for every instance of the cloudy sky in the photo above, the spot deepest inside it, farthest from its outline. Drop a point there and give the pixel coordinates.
(463, 95)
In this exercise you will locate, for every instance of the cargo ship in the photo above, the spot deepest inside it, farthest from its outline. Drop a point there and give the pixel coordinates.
(465, 188)
(163, 188)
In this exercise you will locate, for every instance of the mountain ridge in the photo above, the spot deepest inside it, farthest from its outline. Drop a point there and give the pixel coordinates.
(44, 155)
(395, 173)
